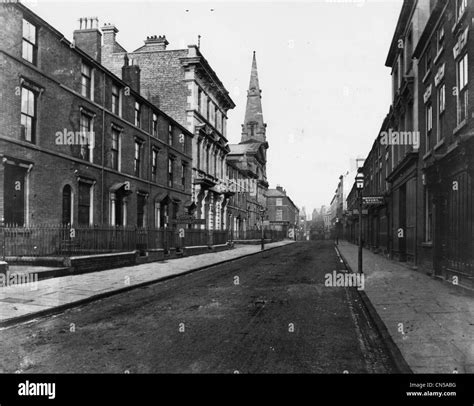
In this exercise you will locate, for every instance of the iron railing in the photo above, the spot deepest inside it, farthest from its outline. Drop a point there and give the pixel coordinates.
(66, 240)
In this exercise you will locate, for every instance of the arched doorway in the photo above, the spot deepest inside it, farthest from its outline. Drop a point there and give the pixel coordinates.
(165, 212)
(118, 204)
(120, 209)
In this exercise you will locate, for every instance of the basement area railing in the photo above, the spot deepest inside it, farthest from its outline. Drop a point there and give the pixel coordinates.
(66, 240)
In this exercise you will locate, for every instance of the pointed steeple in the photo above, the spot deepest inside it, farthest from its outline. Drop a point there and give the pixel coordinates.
(253, 129)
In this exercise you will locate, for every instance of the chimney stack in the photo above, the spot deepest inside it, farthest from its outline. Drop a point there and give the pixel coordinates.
(110, 32)
(131, 74)
(156, 43)
(88, 37)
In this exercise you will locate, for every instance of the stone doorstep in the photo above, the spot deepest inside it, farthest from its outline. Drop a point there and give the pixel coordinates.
(42, 273)
(253, 242)
(54, 262)
(108, 255)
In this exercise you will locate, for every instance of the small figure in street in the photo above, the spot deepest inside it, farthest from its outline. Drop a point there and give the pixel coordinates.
(337, 228)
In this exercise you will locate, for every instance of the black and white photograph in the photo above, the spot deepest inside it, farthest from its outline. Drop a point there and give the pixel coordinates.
(235, 188)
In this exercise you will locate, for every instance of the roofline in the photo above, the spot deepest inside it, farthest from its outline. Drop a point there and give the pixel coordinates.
(433, 20)
(407, 7)
(202, 61)
(284, 195)
(97, 64)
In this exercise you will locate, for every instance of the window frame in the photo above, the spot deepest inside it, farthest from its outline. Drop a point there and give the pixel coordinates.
(90, 131)
(428, 124)
(170, 135)
(408, 51)
(428, 59)
(461, 6)
(170, 171)
(28, 41)
(208, 156)
(87, 80)
(462, 80)
(214, 169)
(137, 157)
(27, 114)
(138, 114)
(441, 103)
(440, 34)
(115, 152)
(154, 163)
(154, 125)
(199, 97)
(116, 108)
(184, 168)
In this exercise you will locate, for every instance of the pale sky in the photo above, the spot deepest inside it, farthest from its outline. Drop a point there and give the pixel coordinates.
(325, 89)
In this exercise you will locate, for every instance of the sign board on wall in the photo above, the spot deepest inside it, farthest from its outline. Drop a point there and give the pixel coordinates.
(373, 200)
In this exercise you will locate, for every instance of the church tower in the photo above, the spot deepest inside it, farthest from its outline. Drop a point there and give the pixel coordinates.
(253, 129)
(250, 154)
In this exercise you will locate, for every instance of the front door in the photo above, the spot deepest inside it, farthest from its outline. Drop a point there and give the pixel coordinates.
(14, 195)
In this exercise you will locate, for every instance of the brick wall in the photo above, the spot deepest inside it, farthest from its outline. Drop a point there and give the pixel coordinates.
(58, 81)
(161, 78)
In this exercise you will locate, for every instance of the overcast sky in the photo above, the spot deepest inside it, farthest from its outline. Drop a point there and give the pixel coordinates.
(321, 65)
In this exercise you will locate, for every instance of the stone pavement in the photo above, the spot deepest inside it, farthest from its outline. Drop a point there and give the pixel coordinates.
(36, 298)
(431, 322)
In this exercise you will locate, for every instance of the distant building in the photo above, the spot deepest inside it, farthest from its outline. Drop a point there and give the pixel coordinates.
(327, 218)
(315, 227)
(337, 209)
(237, 200)
(283, 214)
(303, 226)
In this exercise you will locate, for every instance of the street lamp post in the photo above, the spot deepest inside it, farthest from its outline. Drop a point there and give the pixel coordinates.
(360, 186)
(2, 226)
(262, 214)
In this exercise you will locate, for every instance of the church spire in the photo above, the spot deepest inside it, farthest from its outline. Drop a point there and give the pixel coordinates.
(253, 129)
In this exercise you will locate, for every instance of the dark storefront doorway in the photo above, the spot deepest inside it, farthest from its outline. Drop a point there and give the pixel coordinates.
(14, 195)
